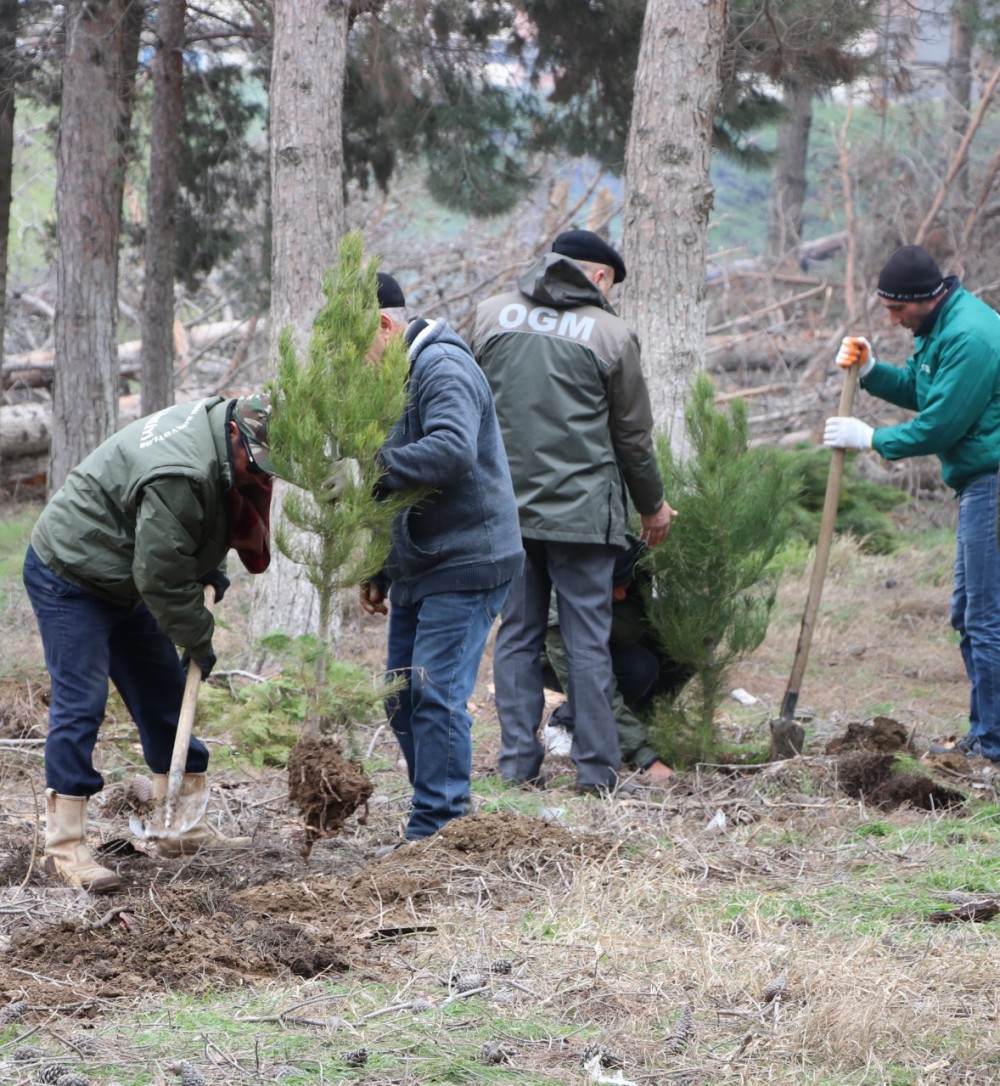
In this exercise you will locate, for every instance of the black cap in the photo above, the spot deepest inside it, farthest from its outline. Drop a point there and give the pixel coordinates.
(910, 275)
(586, 245)
(390, 294)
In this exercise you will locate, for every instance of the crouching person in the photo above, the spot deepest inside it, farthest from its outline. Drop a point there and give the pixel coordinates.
(115, 571)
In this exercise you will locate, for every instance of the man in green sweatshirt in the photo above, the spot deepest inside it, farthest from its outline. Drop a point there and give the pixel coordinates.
(952, 381)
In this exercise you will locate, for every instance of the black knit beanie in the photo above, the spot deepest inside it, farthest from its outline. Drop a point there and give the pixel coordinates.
(910, 275)
(390, 294)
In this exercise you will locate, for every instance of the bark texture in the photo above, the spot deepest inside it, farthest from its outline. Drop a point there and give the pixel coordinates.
(98, 78)
(668, 196)
(161, 209)
(307, 211)
(788, 189)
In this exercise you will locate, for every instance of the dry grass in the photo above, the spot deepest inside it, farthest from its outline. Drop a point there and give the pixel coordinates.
(628, 924)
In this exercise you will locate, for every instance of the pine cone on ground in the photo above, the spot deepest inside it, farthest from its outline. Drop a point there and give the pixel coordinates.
(26, 1054)
(51, 1072)
(12, 1012)
(683, 1033)
(775, 989)
(190, 1075)
(357, 1058)
(609, 1061)
(72, 1078)
(420, 1006)
(492, 1053)
(468, 982)
(501, 967)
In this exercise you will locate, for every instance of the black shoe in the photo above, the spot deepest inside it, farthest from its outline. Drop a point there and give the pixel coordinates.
(622, 788)
(965, 747)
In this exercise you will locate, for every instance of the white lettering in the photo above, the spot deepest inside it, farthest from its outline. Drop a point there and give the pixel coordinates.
(542, 320)
(512, 316)
(566, 322)
(148, 437)
(575, 326)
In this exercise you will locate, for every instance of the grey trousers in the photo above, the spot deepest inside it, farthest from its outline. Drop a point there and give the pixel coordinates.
(581, 575)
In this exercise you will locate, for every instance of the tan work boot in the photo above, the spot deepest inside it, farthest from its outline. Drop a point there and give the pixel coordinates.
(191, 806)
(66, 853)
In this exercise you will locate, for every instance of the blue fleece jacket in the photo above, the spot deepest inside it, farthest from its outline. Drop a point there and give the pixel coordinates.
(465, 535)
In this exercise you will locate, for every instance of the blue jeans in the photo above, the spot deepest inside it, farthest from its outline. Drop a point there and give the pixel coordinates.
(437, 645)
(975, 610)
(86, 642)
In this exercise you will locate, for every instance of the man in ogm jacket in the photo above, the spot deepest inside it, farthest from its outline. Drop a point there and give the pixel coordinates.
(577, 424)
(115, 571)
(952, 380)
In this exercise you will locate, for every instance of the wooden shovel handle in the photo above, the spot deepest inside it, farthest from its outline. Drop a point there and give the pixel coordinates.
(185, 721)
(823, 545)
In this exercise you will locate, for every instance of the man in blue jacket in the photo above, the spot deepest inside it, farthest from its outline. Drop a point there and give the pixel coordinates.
(952, 381)
(452, 557)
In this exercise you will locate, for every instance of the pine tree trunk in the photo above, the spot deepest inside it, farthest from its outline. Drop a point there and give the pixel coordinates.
(668, 196)
(788, 187)
(959, 97)
(161, 209)
(102, 39)
(307, 208)
(8, 84)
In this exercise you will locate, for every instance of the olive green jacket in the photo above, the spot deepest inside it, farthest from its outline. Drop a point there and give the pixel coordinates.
(145, 516)
(572, 403)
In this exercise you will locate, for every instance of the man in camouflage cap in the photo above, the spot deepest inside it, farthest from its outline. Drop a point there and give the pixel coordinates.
(115, 571)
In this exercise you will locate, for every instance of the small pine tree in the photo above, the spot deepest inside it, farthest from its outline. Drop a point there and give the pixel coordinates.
(713, 586)
(336, 405)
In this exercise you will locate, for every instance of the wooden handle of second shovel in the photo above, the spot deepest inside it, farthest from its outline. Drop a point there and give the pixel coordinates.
(823, 545)
(185, 722)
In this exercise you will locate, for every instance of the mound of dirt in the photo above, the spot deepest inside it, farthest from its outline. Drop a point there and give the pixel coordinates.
(870, 777)
(499, 846)
(325, 787)
(883, 736)
(173, 940)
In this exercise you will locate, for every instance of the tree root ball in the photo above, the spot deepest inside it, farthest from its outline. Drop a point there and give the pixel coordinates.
(325, 787)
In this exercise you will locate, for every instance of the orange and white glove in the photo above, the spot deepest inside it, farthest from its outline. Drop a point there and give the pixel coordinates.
(856, 351)
(846, 432)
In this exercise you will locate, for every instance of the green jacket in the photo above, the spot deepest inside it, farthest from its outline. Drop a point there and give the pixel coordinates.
(145, 515)
(572, 403)
(953, 381)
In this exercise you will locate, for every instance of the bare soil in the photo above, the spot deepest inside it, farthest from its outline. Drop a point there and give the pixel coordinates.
(883, 680)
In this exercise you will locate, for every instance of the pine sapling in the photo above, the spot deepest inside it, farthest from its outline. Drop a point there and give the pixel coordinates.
(713, 581)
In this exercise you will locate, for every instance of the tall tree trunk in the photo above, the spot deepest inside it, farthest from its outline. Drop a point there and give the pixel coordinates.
(668, 196)
(161, 209)
(958, 102)
(788, 187)
(8, 87)
(307, 212)
(98, 78)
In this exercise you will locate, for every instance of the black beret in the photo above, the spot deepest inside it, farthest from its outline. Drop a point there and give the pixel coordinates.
(586, 245)
(390, 294)
(910, 275)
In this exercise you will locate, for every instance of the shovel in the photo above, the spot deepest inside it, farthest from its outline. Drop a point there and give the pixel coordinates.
(146, 826)
(787, 737)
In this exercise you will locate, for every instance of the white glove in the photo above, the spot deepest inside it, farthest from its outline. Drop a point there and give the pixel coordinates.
(856, 351)
(345, 473)
(847, 433)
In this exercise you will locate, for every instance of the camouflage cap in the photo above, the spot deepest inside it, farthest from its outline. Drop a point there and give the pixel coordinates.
(251, 415)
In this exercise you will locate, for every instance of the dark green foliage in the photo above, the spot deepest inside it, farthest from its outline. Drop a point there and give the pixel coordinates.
(221, 170)
(713, 581)
(266, 718)
(862, 509)
(336, 405)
